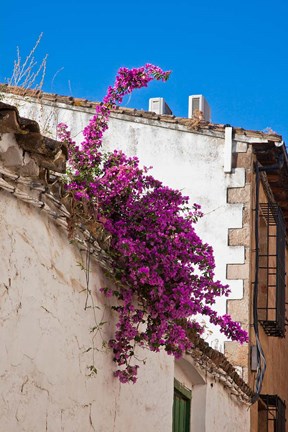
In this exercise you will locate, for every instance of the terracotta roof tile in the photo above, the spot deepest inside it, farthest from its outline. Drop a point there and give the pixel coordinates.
(49, 96)
(203, 353)
(49, 153)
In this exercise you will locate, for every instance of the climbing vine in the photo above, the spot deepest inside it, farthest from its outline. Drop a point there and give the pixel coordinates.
(164, 273)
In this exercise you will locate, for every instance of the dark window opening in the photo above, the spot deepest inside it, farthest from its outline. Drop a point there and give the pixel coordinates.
(271, 295)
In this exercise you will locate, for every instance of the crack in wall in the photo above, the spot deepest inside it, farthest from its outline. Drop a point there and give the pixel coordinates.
(24, 383)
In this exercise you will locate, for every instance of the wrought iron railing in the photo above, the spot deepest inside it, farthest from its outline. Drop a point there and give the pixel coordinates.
(272, 413)
(272, 245)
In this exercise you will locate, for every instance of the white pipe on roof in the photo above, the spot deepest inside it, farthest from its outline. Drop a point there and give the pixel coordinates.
(228, 149)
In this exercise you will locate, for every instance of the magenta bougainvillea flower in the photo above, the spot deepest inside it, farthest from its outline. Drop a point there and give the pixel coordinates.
(165, 272)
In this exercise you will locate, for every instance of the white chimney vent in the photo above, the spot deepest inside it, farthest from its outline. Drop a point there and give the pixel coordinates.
(159, 106)
(199, 103)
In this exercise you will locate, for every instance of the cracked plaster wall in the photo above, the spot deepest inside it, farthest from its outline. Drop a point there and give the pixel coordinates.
(191, 162)
(45, 331)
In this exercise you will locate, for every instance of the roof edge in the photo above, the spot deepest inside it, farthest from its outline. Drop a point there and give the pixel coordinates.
(190, 124)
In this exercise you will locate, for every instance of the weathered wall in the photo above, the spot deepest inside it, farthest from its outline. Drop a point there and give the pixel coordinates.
(45, 335)
(45, 331)
(192, 162)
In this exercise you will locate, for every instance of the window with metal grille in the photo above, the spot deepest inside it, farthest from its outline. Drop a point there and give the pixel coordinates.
(181, 408)
(271, 295)
(271, 414)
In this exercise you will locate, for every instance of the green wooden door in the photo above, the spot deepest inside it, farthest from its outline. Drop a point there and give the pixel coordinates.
(181, 411)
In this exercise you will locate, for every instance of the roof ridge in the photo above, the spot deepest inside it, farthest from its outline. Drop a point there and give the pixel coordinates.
(149, 115)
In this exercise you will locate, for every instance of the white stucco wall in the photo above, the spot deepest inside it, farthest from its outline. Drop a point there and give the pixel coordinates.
(45, 340)
(188, 161)
(45, 331)
(224, 412)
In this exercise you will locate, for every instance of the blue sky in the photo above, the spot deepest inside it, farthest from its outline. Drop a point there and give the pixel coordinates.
(235, 53)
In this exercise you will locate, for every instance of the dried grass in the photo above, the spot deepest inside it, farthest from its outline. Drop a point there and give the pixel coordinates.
(28, 74)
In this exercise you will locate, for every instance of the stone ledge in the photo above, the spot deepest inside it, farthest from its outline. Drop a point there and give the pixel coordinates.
(237, 271)
(239, 195)
(242, 160)
(239, 236)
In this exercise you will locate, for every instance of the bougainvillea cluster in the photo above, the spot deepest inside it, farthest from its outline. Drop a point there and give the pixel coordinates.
(165, 273)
